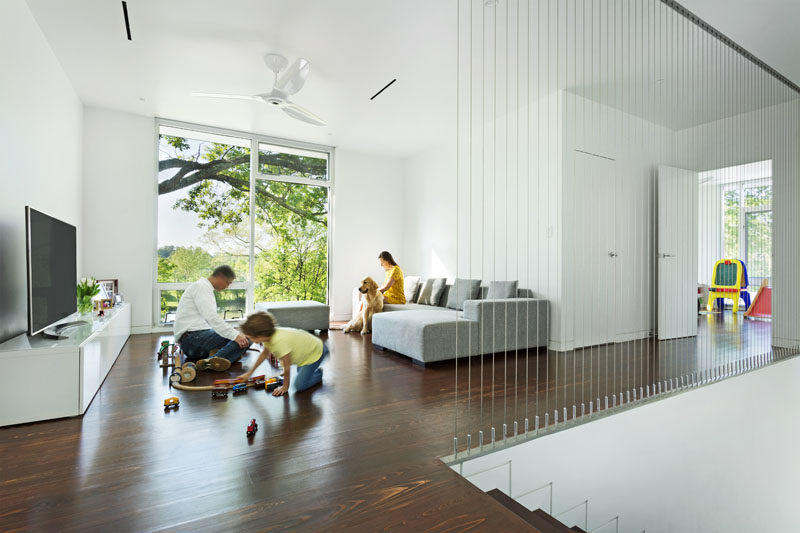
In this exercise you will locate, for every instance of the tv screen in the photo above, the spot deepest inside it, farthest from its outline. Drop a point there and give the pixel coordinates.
(52, 270)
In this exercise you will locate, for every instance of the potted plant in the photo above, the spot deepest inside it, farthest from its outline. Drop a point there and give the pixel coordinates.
(87, 289)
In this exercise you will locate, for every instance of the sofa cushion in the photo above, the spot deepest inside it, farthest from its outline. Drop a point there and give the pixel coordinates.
(412, 307)
(501, 289)
(461, 291)
(410, 286)
(431, 292)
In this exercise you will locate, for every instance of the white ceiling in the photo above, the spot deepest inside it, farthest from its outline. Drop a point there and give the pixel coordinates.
(766, 28)
(355, 47)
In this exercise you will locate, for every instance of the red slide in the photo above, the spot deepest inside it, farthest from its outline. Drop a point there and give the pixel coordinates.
(762, 305)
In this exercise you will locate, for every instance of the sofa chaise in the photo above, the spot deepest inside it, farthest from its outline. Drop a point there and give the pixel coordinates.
(438, 330)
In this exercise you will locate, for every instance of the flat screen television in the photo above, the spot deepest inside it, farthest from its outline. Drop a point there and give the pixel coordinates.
(52, 270)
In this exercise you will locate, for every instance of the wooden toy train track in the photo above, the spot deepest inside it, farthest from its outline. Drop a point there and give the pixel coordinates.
(223, 386)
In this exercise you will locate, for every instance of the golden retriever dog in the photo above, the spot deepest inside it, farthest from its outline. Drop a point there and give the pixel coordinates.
(371, 303)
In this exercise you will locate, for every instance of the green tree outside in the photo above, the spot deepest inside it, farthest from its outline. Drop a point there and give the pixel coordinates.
(291, 221)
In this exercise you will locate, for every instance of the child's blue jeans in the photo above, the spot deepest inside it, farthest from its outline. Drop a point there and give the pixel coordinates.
(309, 375)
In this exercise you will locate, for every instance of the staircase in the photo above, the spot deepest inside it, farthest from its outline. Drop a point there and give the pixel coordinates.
(541, 521)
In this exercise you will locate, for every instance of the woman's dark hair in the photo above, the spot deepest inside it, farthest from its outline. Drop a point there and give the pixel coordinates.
(386, 256)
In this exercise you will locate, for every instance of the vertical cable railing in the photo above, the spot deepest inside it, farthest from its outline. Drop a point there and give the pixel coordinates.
(595, 143)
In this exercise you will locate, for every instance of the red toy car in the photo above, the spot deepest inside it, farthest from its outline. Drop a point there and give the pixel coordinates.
(252, 428)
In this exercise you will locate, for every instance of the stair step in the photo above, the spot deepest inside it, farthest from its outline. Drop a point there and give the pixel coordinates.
(539, 519)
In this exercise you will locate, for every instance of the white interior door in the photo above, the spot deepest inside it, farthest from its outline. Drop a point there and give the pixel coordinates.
(592, 209)
(677, 252)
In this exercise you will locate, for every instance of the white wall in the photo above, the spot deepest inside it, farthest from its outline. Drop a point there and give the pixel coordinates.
(120, 167)
(367, 219)
(736, 471)
(429, 199)
(516, 207)
(40, 150)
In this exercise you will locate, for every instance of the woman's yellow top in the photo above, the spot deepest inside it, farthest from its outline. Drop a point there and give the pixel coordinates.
(395, 294)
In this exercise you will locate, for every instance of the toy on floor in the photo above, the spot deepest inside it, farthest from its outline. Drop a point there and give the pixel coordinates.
(728, 280)
(236, 385)
(273, 383)
(170, 354)
(252, 427)
(164, 348)
(762, 304)
(219, 391)
(171, 402)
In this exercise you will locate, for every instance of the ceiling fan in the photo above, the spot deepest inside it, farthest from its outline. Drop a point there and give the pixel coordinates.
(286, 85)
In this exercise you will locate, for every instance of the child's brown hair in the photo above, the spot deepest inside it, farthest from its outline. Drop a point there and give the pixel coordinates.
(259, 325)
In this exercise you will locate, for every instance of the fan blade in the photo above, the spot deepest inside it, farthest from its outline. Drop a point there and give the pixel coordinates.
(301, 113)
(232, 96)
(294, 78)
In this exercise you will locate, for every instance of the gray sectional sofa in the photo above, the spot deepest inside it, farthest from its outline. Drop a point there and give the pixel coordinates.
(429, 333)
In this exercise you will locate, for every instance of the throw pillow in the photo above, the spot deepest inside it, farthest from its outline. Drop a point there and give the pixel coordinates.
(437, 290)
(431, 291)
(410, 285)
(424, 293)
(501, 289)
(461, 291)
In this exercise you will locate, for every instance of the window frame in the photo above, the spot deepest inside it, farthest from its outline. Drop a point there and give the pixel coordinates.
(255, 141)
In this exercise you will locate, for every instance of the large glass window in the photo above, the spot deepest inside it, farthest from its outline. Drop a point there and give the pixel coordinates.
(730, 205)
(747, 227)
(279, 251)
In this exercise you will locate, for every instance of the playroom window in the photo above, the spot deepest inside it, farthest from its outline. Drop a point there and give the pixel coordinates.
(747, 226)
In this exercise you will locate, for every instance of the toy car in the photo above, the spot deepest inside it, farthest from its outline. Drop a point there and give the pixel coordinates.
(257, 380)
(219, 391)
(239, 388)
(252, 427)
(171, 402)
(273, 383)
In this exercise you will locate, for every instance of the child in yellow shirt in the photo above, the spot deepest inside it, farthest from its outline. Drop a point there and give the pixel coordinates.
(289, 346)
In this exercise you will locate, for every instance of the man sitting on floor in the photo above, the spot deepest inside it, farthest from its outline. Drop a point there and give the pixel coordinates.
(204, 336)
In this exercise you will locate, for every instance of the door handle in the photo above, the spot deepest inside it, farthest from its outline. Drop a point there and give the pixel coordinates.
(612, 254)
(666, 255)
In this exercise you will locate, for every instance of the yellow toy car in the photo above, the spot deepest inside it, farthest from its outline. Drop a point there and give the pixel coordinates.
(171, 402)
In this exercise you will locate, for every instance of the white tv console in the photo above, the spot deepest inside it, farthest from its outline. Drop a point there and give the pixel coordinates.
(46, 378)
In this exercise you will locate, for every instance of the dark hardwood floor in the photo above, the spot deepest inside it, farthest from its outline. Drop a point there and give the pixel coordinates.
(359, 453)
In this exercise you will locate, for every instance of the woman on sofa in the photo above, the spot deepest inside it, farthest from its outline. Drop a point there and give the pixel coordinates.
(392, 287)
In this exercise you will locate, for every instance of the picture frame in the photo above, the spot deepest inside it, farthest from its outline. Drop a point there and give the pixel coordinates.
(110, 285)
